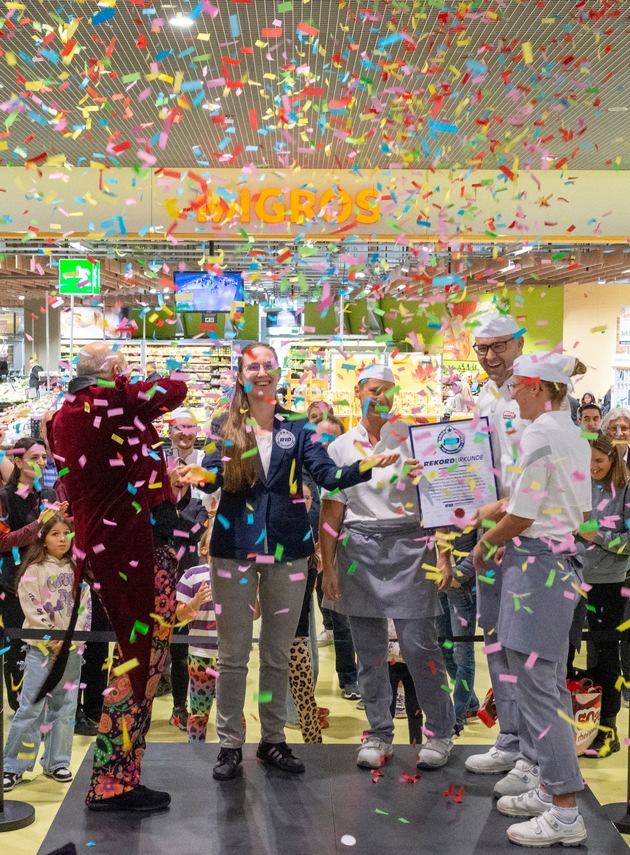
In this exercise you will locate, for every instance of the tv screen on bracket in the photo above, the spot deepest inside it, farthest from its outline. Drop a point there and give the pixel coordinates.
(207, 292)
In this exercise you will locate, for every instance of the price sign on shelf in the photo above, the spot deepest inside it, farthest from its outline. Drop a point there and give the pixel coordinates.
(79, 276)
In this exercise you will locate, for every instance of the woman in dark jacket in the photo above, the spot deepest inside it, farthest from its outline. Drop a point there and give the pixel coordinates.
(260, 543)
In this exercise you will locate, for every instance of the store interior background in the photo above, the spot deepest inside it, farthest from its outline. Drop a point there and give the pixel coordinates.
(490, 141)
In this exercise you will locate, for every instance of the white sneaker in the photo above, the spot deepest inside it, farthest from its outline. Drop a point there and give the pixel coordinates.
(325, 638)
(492, 762)
(525, 804)
(525, 776)
(545, 830)
(374, 752)
(434, 753)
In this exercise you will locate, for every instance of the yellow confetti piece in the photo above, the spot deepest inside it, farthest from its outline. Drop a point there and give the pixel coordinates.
(117, 438)
(624, 626)
(125, 667)
(528, 56)
(126, 741)
(603, 328)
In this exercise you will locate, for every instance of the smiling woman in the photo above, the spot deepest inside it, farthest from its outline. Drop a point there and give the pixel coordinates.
(260, 546)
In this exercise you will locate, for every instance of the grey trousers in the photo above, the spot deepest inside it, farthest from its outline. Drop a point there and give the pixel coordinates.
(420, 650)
(513, 733)
(540, 692)
(234, 588)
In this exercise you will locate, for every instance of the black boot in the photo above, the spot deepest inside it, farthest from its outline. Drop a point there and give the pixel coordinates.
(606, 742)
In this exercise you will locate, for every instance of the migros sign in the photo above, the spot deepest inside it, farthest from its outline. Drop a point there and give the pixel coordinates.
(274, 205)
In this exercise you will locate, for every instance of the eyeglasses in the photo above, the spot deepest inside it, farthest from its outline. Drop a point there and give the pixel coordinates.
(254, 367)
(512, 387)
(497, 347)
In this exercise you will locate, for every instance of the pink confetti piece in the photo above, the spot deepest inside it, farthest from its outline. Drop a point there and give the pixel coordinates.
(508, 678)
(282, 612)
(544, 732)
(296, 577)
(531, 660)
(492, 648)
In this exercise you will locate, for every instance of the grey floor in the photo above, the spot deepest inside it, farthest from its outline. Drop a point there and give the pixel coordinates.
(266, 812)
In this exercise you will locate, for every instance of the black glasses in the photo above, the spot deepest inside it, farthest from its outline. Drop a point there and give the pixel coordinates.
(497, 347)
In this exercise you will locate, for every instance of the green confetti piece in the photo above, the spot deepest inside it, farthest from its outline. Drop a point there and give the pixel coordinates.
(63, 472)
(279, 552)
(487, 579)
(403, 820)
(250, 453)
(488, 523)
(589, 525)
(263, 697)
(381, 812)
(140, 627)
(123, 576)
(448, 644)
(137, 507)
(352, 568)
(109, 384)
(550, 578)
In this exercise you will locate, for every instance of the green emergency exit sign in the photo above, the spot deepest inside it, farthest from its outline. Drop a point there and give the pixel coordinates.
(79, 276)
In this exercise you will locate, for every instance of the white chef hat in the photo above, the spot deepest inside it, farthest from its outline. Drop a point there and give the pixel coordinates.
(181, 413)
(377, 371)
(549, 366)
(494, 324)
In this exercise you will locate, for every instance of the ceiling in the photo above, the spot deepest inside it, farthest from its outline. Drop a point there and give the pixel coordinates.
(387, 83)
(392, 84)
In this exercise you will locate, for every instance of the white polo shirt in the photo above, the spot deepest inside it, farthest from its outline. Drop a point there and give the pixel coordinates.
(554, 487)
(389, 495)
(506, 429)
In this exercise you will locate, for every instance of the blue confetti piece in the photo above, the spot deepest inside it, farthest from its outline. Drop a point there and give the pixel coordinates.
(102, 16)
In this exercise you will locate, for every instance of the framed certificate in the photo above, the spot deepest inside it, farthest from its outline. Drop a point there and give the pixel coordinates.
(458, 473)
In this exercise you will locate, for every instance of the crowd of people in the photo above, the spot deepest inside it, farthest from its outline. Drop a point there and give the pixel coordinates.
(279, 504)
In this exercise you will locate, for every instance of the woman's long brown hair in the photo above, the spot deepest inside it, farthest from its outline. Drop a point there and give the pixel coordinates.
(240, 473)
(618, 473)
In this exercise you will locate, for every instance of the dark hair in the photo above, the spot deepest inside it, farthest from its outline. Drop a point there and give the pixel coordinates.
(22, 446)
(618, 473)
(335, 420)
(240, 472)
(593, 406)
(36, 552)
(591, 399)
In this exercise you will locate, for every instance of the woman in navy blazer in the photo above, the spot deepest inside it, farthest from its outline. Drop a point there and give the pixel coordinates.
(260, 544)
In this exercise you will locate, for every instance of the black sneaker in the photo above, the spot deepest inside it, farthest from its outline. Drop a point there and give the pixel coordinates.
(139, 800)
(279, 754)
(85, 726)
(179, 718)
(62, 775)
(351, 692)
(11, 780)
(605, 743)
(228, 761)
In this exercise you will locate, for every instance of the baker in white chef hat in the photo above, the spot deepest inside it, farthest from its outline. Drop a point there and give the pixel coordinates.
(373, 389)
(498, 342)
(541, 381)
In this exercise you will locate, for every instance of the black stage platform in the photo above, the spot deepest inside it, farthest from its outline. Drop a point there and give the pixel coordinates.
(266, 812)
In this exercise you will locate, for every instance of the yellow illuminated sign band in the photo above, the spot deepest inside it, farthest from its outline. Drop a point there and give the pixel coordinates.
(274, 205)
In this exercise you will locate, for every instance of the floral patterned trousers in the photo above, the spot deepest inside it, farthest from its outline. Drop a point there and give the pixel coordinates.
(124, 724)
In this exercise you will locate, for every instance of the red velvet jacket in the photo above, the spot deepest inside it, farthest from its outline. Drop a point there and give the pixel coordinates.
(116, 474)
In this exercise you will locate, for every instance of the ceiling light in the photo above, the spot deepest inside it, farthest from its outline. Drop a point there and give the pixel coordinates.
(181, 21)
(21, 297)
(617, 109)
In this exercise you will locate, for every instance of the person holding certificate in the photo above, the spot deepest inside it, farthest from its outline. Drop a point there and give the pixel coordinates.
(385, 566)
(535, 551)
(498, 342)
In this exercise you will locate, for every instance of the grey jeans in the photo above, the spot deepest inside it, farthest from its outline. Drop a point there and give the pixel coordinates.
(420, 650)
(280, 589)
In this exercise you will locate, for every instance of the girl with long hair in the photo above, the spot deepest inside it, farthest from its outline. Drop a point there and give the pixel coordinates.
(261, 540)
(46, 586)
(606, 563)
(23, 501)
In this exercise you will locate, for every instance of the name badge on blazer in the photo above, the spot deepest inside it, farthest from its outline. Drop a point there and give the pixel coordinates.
(285, 439)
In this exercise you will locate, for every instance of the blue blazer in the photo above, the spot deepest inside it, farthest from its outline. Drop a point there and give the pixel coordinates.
(267, 519)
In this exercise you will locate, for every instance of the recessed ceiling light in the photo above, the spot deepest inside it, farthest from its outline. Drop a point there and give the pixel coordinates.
(21, 297)
(181, 21)
(618, 109)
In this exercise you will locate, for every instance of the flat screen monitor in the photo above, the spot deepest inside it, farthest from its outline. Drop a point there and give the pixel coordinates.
(207, 292)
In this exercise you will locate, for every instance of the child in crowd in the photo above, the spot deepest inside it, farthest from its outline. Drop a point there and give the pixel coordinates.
(46, 588)
(194, 604)
(399, 673)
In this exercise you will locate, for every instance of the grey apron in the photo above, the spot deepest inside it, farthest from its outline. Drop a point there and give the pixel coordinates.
(380, 572)
(535, 615)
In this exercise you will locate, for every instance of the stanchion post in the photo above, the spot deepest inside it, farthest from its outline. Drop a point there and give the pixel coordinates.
(13, 815)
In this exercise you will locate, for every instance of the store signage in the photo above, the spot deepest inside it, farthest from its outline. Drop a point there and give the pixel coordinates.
(79, 276)
(275, 205)
(624, 325)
